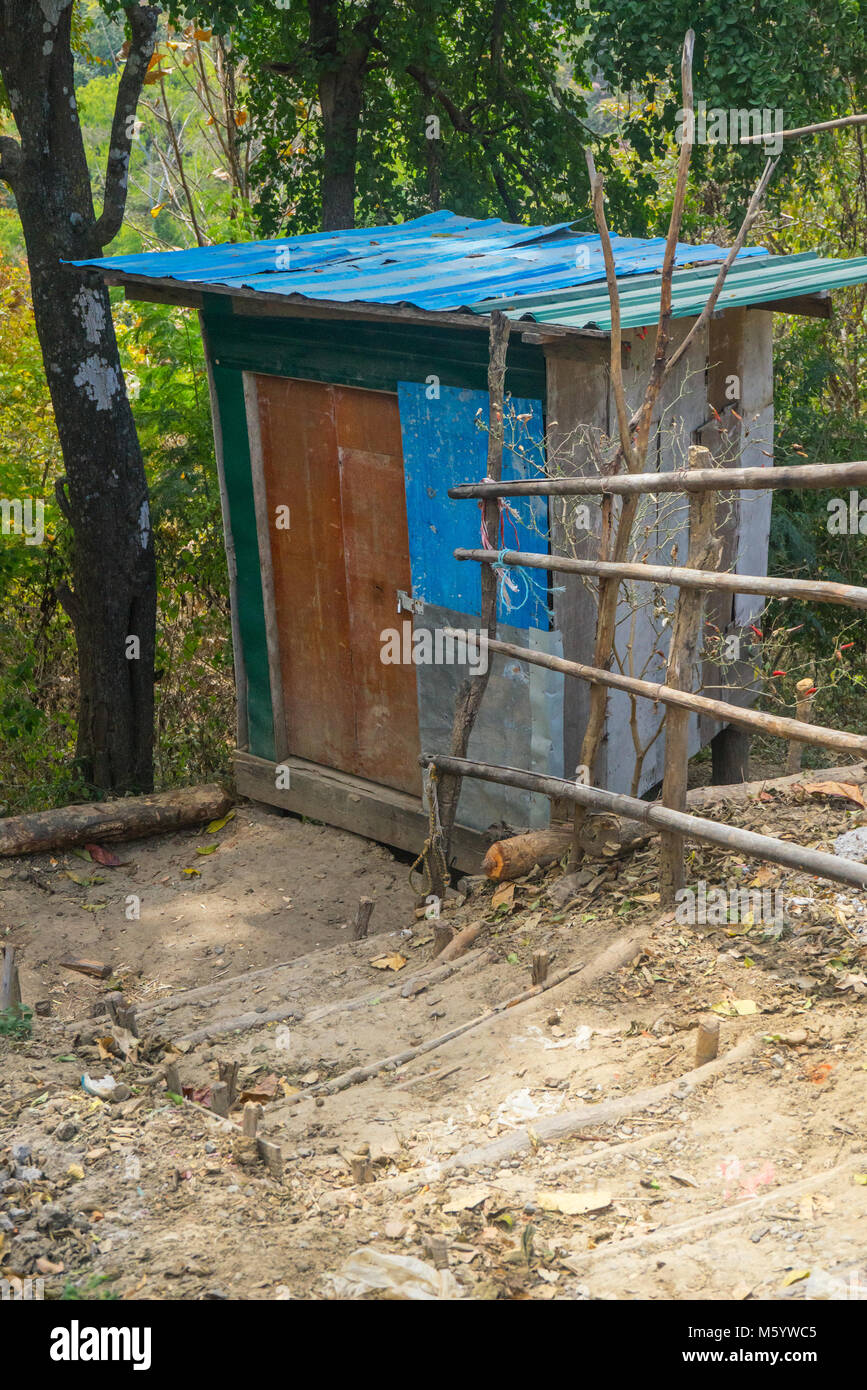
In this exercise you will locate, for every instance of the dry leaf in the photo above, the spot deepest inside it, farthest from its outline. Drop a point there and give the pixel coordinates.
(103, 856)
(504, 896)
(821, 1073)
(393, 962)
(735, 1008)
(846, 789)
(262, 1090)
(795, 1277)
(575, 1203)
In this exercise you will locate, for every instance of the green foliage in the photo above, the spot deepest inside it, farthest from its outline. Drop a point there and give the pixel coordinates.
(16, 1022)
(162, 355)
(163, 358)
(497, 77)
(807, 58)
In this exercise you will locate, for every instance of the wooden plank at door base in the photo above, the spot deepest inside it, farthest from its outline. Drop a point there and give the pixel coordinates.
(353, 803)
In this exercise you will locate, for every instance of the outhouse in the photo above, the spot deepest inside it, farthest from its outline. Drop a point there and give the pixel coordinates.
(348, 379)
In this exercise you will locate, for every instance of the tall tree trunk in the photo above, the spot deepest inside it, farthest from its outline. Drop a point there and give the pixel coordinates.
(343, 56)
(112, 603)
(341, 93)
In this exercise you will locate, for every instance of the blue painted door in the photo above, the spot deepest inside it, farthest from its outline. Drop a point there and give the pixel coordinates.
(445, 442)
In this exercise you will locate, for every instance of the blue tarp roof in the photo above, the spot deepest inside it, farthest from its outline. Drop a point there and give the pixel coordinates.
(440, 261)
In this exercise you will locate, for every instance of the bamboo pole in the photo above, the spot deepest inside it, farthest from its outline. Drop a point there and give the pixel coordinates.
(682, 657)
(799, 475)
(472, 691)
(721, 710)
(725, 581)
(791, 856)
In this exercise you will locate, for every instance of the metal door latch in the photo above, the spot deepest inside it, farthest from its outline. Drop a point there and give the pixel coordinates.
(407, 604)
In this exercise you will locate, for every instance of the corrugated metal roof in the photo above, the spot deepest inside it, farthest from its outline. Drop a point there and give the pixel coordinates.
(758, 281)
(440, 261)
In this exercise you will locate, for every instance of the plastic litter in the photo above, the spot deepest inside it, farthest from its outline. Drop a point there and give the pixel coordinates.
(397, 1276)
(102, 1086)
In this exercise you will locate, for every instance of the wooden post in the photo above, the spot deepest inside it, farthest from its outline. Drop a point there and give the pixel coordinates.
(443, 936)
(228, 1072)
(220, 1099)
(541, 960)
(472, 691)
(10, 989)
(803, 711)
(173, 1079)
(245, 1147)
(250, 1121)
(122, 1012)
(362, 918)
(707, 1040)
(682, 656)
(360, 1165)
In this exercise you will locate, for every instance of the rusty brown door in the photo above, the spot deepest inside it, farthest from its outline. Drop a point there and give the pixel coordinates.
(332, 455)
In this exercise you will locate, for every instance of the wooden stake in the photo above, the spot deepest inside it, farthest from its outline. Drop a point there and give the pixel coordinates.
(442, 937)
(682, 658)
(472, 691)
(122, 1012)
(220, 1099)
(803, 710)
(10, 988)
(95, 968)
(173, 1079)
(362, 918)
(539, 974)
(228, 1072)
(250, 1120)
(707, 1041)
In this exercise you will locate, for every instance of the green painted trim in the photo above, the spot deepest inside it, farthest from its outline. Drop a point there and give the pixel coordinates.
(229, 386)
(372, 355)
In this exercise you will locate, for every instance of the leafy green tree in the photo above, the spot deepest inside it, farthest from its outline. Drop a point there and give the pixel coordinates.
(804, 58)
(377, 111)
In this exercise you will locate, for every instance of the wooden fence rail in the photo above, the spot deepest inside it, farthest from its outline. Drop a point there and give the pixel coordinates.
(699, 483)
(809, 475)
(769, 586)
(777, 724)
(792, 856)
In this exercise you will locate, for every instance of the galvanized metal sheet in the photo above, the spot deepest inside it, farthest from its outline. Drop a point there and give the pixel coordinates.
(519, 723)
(440, 261)
(759, 281)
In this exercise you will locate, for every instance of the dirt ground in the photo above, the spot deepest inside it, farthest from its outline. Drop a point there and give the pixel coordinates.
(566, 1146)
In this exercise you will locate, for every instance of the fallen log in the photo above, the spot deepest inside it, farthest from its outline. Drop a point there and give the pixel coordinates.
(792, 856)
(460, 943)
(128, 818)
(512, 858)
(700, 797)
(552, 1129)
(601, 837)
